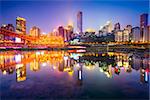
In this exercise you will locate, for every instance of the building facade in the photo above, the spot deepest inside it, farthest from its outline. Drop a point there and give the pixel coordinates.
(20, 27)
(136, 34)
(117, 27)
(61, 31)
(119, 36)
(79, 22)
(8, 27)
(68, 33)
(35, 31)
(143, 25)
(129, 28)
(125, 37)
(146, 34)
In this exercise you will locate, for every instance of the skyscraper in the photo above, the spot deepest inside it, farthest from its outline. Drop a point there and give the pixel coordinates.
(148, 31)
(146, 34)
(119, 36)
(20, 27)
(61, 31)
(129, 28)
(125, 35)
(35, 31)
(143, 24)
(79, 22)
(117, 27)
(68, 33)
(136, 34)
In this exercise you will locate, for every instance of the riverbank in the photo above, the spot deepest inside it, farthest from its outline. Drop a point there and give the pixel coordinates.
(88, 49)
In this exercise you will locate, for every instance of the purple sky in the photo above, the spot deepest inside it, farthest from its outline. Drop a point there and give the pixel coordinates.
(49, 14)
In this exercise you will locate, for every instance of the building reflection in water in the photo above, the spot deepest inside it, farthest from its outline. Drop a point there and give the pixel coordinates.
(20, 72)
(110, 63)
(79, 76)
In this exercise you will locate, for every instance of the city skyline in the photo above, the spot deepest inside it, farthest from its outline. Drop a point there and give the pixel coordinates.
(67, 13)
(74, 49)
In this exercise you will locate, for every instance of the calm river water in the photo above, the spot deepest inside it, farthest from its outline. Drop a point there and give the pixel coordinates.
(74, 75)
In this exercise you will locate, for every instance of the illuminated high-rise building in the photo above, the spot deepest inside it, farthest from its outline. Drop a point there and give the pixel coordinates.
(20, 72)
(146, 34)
(148, 31)
(117, 27)
(143, 24)
(70, 27)
(68, 33)
(34, 66)
(35, 31)
(61, 31)
(20, 27)
(119, 36)
(125, 35)
(8, 27)
(136, 34)
(129, 28)
(79, 22)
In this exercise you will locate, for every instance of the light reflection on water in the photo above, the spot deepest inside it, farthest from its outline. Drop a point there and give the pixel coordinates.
(61, 74)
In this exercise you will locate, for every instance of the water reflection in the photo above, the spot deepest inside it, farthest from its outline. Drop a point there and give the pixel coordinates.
(110, 63)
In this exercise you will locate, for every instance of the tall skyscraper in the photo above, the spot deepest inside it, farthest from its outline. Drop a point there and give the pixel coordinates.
(146, 34)
(119, 36)
(148, 29)
(136, 34)
(129, 28)
(79, 22)
(117, 27)
(143, 24)
(35, 31)
(21, 72)
(20, 27)
(61, 31)
(68, 33)
(125, 35)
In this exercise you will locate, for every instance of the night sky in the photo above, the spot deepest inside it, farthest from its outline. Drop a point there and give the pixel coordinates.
(49, 14)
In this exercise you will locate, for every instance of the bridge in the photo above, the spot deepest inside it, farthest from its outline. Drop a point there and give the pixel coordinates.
(51, 56)
(14, 35)
(42, 41)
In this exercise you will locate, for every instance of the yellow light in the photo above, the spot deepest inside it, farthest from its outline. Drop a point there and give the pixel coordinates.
(4, 72)
(20, 18)
(70, 73)
(54, 67)
(119, 63)
(19, 79)
(90, 30)
(70, 23)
